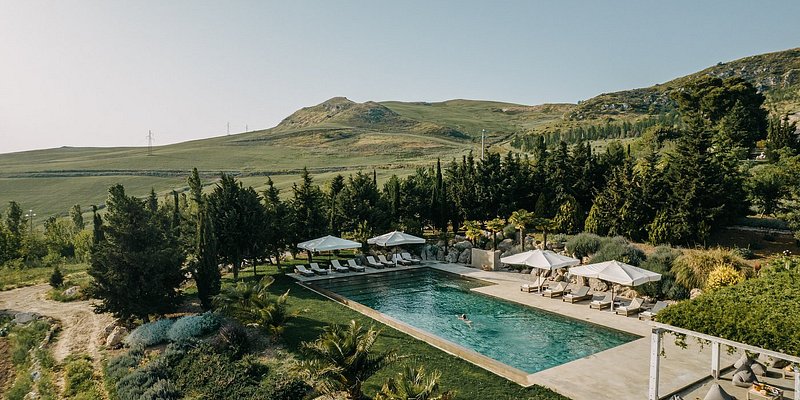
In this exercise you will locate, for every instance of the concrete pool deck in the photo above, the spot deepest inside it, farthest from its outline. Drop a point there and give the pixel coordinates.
(621, 372)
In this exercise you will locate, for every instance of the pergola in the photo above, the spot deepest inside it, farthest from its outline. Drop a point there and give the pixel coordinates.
(660, 329)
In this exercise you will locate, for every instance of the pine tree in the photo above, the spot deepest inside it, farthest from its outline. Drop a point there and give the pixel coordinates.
(277, 216)
(137, 268)
(335, 187)
(307, 206)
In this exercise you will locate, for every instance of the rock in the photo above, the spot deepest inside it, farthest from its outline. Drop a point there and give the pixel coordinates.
(459, 238)
(452, 256)
(597, 285)
(72, 291)
(465, 257)
(628, 293)
(25, 317)
(505, 245)
(440, 256)
(463, 245)
(114, 339)
(35, 375)
(694, 293)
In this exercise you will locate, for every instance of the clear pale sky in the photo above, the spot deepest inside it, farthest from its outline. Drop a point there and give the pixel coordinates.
(101, 73)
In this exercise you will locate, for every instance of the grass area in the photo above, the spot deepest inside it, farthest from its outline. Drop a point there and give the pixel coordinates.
(470, 381)
(25, 357)
(11, 278)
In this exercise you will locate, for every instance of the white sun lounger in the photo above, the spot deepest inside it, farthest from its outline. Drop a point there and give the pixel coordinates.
(581, 294)
(533, 286)
(635, 306)
(602, 303)
(372, 263)
(384, 261)
(409, 257)
(649, 314)
(301, 269)
(315, 267)
(338, 267)
(355, 267)
(399, 259)
(555, 291)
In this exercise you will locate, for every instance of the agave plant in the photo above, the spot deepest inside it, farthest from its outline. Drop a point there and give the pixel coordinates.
(341, 360)
(414, 383)
(252, 304)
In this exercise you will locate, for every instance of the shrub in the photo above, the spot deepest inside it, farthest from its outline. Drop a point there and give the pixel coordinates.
(134, 385)
(692, 268)
(56, 278)
(282, 385)
(150, 334)
(52, 260)
(617, 248)
(233, 339)
(123, 364)
(661, 262)
(79, 378)
(723, 275)
(583, 244)
(192, 326)
(202, 373)
(744, 252)
(253, 304)
(162, 390)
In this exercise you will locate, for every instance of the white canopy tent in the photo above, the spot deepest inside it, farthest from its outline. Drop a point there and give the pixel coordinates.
(541, 259)
(395, 238)
(616, 272)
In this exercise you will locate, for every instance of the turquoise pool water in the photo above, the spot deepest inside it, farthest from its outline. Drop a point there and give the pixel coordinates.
(522, 337)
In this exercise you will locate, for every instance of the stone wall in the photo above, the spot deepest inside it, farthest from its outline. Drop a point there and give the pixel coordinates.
(489, 258)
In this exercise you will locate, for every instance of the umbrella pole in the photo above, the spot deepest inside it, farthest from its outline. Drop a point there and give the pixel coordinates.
(612, 296)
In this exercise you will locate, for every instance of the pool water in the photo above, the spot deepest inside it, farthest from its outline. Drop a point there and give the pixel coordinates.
(522, 337)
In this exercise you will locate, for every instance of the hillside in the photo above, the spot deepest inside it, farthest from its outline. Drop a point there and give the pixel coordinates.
(776, 75)
(343, 136)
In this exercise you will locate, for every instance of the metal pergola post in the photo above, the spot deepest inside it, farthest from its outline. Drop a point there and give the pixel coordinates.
(655, 360)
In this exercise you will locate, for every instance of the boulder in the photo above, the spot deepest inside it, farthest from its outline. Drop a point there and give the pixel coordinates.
(440, 256)
(597, 285)
(452, 256)
(114, 339)
(505, 245)
(628, 293)
(72, 291)
(694, 293)
(463, 245)
(465, 257)
(25, 317)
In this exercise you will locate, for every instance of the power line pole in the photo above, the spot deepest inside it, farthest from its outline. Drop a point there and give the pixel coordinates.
(483, 140)
(149, 143)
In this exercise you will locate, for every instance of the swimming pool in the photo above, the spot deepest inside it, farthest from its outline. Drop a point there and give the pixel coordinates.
(522, 337)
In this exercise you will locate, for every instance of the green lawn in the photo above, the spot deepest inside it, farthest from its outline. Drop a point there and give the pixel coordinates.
(11, 278)
(469, 381)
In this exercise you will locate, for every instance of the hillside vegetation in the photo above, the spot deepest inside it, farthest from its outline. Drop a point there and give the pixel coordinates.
(342, 136)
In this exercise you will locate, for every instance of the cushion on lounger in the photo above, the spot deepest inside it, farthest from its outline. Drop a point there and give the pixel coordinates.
(744, 377)
(743, 360)
(758, 368)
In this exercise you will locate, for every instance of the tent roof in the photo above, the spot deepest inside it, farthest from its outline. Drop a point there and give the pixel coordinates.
(328, 243)
(395, 238)
(540, 259)
(616, 272)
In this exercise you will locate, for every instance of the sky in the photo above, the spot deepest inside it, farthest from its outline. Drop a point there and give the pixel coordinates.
(104, 73)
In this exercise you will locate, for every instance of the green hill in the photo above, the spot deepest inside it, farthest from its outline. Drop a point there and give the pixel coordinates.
(342, 136)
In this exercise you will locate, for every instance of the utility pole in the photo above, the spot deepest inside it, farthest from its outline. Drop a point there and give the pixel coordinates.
(246, 128)
(30, 216)
(149, 143)
(483, 140)
(229, 128)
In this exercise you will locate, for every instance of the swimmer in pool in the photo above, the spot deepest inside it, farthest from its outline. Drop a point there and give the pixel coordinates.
(464, 318)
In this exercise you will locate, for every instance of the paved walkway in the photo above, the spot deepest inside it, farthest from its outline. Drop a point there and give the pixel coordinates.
(621, 372)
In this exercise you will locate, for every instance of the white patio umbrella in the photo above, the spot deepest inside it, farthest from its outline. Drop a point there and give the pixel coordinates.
(616, 272)
(328, 243)
(395, 238)
(541, 259)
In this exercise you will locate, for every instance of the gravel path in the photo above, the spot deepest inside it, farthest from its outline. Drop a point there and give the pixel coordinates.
(82, 329)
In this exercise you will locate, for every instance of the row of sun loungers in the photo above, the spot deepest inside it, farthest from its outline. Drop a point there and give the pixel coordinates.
(580, 293)
(398, 259)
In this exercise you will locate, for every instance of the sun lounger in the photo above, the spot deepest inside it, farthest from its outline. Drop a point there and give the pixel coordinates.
(649, 314)
(372, 263)
(532, 286)
(303, 271)
(385, 262)
(635, 306)
(581, 294)
(320, 271)
(555, 291)
(602, 303)
(355, 267)
(399, 260)
(409, 257)
(338, 267)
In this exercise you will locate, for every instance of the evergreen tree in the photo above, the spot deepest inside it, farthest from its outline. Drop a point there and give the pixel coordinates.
(361, 201)
(204, 268)
(781, 135)
(137, 268)
(15, 224)
(277, 216)
(567, 219)
(97, 227)
(335, 187)
(392, 194)
(76, 215)
(307, 206)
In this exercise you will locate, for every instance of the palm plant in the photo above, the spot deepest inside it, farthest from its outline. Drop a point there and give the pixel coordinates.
(472, 229)
(414, 383)
(341, 360)
(252, 304)
(495, 225)
(521, 219)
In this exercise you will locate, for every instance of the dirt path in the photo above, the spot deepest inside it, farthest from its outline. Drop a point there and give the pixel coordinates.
(81, 327)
